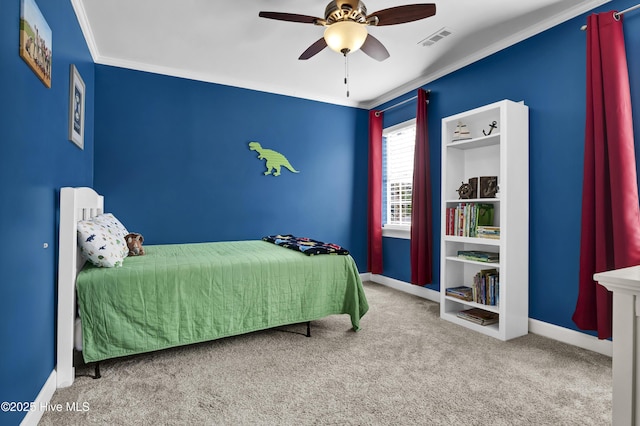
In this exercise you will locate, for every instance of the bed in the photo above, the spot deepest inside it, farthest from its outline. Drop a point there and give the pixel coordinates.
(179, 294)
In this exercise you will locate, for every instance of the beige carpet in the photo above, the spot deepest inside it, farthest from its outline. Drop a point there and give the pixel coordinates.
(405, 367)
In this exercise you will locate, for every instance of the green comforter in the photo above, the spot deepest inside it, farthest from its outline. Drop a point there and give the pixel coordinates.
(188, 293)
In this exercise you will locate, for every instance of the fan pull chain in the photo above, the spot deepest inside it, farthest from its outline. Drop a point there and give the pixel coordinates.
(346, 73)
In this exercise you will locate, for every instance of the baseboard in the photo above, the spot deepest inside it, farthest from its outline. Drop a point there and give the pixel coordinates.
(41, 402)
(572, 337)
(416, 290)
(551, 331)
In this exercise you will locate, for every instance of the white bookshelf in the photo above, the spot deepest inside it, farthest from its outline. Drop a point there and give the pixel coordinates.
(505, 154)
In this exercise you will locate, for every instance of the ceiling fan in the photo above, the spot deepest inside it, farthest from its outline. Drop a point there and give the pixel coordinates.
(346, 26)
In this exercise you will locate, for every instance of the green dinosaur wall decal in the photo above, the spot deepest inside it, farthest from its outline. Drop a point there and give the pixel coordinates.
(275, 160)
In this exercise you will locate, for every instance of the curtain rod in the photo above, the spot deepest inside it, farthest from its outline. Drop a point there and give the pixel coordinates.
(617, 14)
(399, 103)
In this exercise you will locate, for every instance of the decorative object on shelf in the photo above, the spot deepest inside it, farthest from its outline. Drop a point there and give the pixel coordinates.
(468, 190)
(493, 125)
(275, 160)
(76, 107)
(474, 187)
(485, 215)
(488, 186)
(461, 132)
(35, 41)
(465, 191)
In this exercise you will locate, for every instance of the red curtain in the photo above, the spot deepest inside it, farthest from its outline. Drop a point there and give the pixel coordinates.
(610, 229)
(421, 232)
(374, 233)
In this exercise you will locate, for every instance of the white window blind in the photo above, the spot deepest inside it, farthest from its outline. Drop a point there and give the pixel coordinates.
(399, 142)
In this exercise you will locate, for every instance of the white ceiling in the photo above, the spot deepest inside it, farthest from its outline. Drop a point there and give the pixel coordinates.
(227, 43)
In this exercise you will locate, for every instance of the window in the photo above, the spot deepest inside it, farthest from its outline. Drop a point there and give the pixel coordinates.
(397, 176)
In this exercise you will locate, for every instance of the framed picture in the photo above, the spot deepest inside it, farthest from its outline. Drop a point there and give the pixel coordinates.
(76, 107)
(35, 41)
(474, 187)
(488, 186)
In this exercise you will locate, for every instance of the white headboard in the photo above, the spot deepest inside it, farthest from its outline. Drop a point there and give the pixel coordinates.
(75, 204)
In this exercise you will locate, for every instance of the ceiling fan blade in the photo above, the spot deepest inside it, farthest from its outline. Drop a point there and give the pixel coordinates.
(291, 17)
(374, 48)
(402, 14)
(314, 49)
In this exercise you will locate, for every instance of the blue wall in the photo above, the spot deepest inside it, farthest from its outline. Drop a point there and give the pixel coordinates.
(36, 159)
(547, 72)
(172, 159)
(173, 162)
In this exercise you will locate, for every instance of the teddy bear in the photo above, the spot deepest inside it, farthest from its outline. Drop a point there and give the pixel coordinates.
(134, 242)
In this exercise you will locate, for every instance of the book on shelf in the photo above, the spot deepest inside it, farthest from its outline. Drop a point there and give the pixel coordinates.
(485, 214)
(479, 316)
(479, 255)
(488, 232)
(461, 292)
(450, 215)
(464, 219)
(486, 287)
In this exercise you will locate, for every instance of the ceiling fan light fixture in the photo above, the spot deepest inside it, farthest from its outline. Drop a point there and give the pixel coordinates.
(345, 36)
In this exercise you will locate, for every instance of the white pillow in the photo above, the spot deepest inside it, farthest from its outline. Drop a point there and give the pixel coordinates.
(114, 226)
(101, 240)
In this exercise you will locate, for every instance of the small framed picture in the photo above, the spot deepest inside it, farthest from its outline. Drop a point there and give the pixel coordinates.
(474, 187)
(76, 107)
(488, 186)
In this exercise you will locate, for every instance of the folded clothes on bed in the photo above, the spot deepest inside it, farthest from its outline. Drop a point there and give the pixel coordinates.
(305, 245)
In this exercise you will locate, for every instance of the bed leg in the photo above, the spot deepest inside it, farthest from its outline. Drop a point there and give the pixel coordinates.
(97, 375)
(308, 328)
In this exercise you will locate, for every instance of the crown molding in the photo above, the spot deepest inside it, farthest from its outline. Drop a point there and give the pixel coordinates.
(83, 20)
(522, 35)
(224, 80)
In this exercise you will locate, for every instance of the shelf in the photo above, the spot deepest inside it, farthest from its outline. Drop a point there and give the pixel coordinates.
(472, 240)
(490, 308)
(488, 265)
(493, 139)
(472, 200)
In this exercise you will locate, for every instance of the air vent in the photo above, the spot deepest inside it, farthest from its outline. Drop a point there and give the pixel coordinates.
(435, 37)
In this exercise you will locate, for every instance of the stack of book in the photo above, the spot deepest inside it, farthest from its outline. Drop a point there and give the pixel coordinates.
(488, 232)
(486, 287)
(462, 292)
(479, 256)
(464, 219)
(479, 316)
